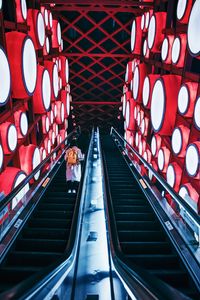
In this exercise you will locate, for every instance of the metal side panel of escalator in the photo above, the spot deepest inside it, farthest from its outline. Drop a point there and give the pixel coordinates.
(142, 239)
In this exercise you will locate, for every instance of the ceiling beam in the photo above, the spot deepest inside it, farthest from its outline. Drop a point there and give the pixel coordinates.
(98, 8)
(110, 55)
(102, 2)
(95, 103)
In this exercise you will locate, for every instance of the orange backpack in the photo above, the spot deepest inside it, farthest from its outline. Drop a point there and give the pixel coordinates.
(72, 157)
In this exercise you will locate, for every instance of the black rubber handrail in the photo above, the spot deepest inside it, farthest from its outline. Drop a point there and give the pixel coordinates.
(136, 278)
(7, 199)
(162, 181)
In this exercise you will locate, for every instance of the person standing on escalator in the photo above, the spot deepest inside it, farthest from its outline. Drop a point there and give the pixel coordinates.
(73, 157)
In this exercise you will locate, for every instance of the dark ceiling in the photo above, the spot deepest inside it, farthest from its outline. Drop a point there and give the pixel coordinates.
(96, 38)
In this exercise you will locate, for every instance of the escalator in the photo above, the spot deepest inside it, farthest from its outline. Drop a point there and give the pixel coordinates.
(142, 241)
(44, 238)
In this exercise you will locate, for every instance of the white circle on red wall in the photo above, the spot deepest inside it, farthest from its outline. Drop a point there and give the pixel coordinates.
(161, 160)
(183, 192)
(67, 70)
(36, 161)
(183, 99)
(62, 112)
(47, 45)
(46, 17)
(1, 4)
(40, 29)
(50, 20)
(176, 49)
(24, 9)
(1, 156)
(171, 175)
(23, 123)
(181, 7)
(29, 63)
(47, 125)
(133, 35)
(59, 33)
(176, 141)
(192, 160)
(68, 104)
(142, 21)
(136, 80)
(12, 137)
(46, 90)
(147, 18)
(5, 78)
(164, 49)
(127, 114)
(146, 91)
(193, 29)
(151, 32)
(55, 80)
(157, 105)
(153, 146)
(197, 113)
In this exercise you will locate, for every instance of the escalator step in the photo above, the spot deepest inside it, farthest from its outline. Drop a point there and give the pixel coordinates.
(132, 208)
(61, 215)
(145, 247)
(56, 206)
(135, 216)
(129, 236)
(47, 223)
(156, 261)
(137, 225)
(46, 245)
(40, 233)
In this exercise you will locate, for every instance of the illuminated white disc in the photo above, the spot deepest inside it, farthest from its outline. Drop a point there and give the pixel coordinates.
(123, 104)
(150, 174)
(29, 63)
(47, 125)
(44, 154)
(62, 112)
(126, 73)
(147, 19)
(50, 20)
(193, 29)
(40, 29)
(197, 113)
(53, 137)
(142, 21)
(183, 99)
(145, 47)
(23, 123)
(1, 156)
(136, 82)
(146, 91)
(153, 146)
(46, 17)
(24, 9)
(183, 192)
(19, 178)
(171, 175)
(52, 116)
(1, 4)
(176, 49)
(46, 90)
(59, 34)
(192, 160)
(55, 111)
(55, 128)
(143, 126)
(176, 141)
(47, 45)
(181, 7)
(140, 148)
(68, 105)
(165, 49)
(55, 80)
(5, 79)
(157, 105)
(36, 161)
(127, 114)
(131, 85)
(133, 35)
(135, 112)
(145, 155)
(138, 119)
(12, 137)
(151, 32)
(67, 70)
(49, 146)
(136, 139)
(161, 160)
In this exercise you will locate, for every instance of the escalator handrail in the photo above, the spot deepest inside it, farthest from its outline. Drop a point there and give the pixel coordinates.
(30, 287)
(162, 181)
(154, 288)
(7, 199)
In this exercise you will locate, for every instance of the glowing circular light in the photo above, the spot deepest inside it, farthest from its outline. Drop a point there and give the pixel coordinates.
(19, 178)
(24, 9)
(181, 7)
(62, 112)
(153, 145)
(145, 49)
(5, 79)
(47, 44)
(183, 192)
(36, 161)
(176, 141)
(136, 139)
(49, 146)
(59, 34)
(165, 49)
(183, 99)
(1, 4)
(46, 17)
(176, 48)
(23, 124)
(171, 175)
(29, 63)
(55, 80)
(161, 159)
(67, 70)
(193, 29)
(192, 160)
(47, 125)
(1, 157)
(133, 35)
(157, 105)
(142, 21)
(147, 19)
(40, 29)
(127, 114)
(197, 113)
(68, 105)
(50, 20)
(136, 82)
(46, 90)
(12, 137)
(146, 91)
(151, 32)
